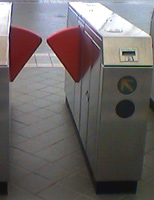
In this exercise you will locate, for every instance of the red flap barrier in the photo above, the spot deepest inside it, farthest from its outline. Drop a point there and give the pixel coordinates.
(67, 45)
(23, 43)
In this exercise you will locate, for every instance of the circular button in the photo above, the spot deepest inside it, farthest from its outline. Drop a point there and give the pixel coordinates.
(127, 85)
(125, 109)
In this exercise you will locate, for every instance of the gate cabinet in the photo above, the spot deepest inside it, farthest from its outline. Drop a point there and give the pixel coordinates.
(16, 47)
(109, 102)
(5, 14)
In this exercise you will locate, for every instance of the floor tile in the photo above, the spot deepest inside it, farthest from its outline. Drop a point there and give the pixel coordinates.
(16, 139)
(59, 150)
(149, 161)
(16, 126)
(16, 154)
(27, 108)
(29, 131)
(82, 197)
(25, 98)
(57, 192)
(38, 94)
(33, 183)
(147, 173)
(134, 197)
(65, 130)
(144, 191)
(60, 85)
(45, 125)
(51, 89)
(30, 162)
(27, 119)
(52, 137)
(43, 59)
(49, 82)
(16, 102)
(31, 61)
(16, 193)
(61, 169)
(13, 94)
(37, 85)
(91, 194)
(149, 142)
(40, 103)
(16, 113)
(42, 113)
(16, 173)
(61, 118)
(77, 183)
(30, 146)
(58, 107)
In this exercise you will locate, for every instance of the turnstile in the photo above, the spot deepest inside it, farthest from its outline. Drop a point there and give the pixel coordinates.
(109, 96)
(16, 47)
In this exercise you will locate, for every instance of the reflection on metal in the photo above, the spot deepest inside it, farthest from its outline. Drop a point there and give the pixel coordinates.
(5, 14)
(110, 102)
(152, 89)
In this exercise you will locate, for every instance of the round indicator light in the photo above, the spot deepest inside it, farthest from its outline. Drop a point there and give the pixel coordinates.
(125, 109)
(127, 85)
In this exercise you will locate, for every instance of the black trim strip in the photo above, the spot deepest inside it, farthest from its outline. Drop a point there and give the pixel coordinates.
(3, 188)
(152, 104)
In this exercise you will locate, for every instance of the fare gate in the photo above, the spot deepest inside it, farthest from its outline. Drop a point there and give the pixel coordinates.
(16, 47)
(108, 65)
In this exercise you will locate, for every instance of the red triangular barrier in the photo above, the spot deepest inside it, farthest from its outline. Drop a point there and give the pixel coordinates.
(67, 46)
(23, 43)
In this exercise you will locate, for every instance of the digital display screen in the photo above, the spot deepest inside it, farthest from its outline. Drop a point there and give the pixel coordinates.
(128, 53)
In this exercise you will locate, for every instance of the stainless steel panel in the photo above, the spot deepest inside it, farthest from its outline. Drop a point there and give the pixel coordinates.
(115, 30)
(4, 124)
(84, 108)
(73, 91)
(152, 87)
(77, 102)
(152, 35)
(121, 140)
(69, 90)
(95, 85)
(110, 25)
(72, 20)
(87, 53)
(112, 52)
(5, 15)
(137, 12)
(77, 92)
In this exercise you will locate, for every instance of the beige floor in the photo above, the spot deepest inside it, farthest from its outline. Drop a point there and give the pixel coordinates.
(46, 160)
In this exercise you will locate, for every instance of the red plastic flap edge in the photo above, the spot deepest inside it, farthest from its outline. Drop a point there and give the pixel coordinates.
(23, 43)
(67, 46)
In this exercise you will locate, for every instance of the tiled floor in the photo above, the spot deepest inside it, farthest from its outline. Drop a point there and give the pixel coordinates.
(46, 162)
(44, 60)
